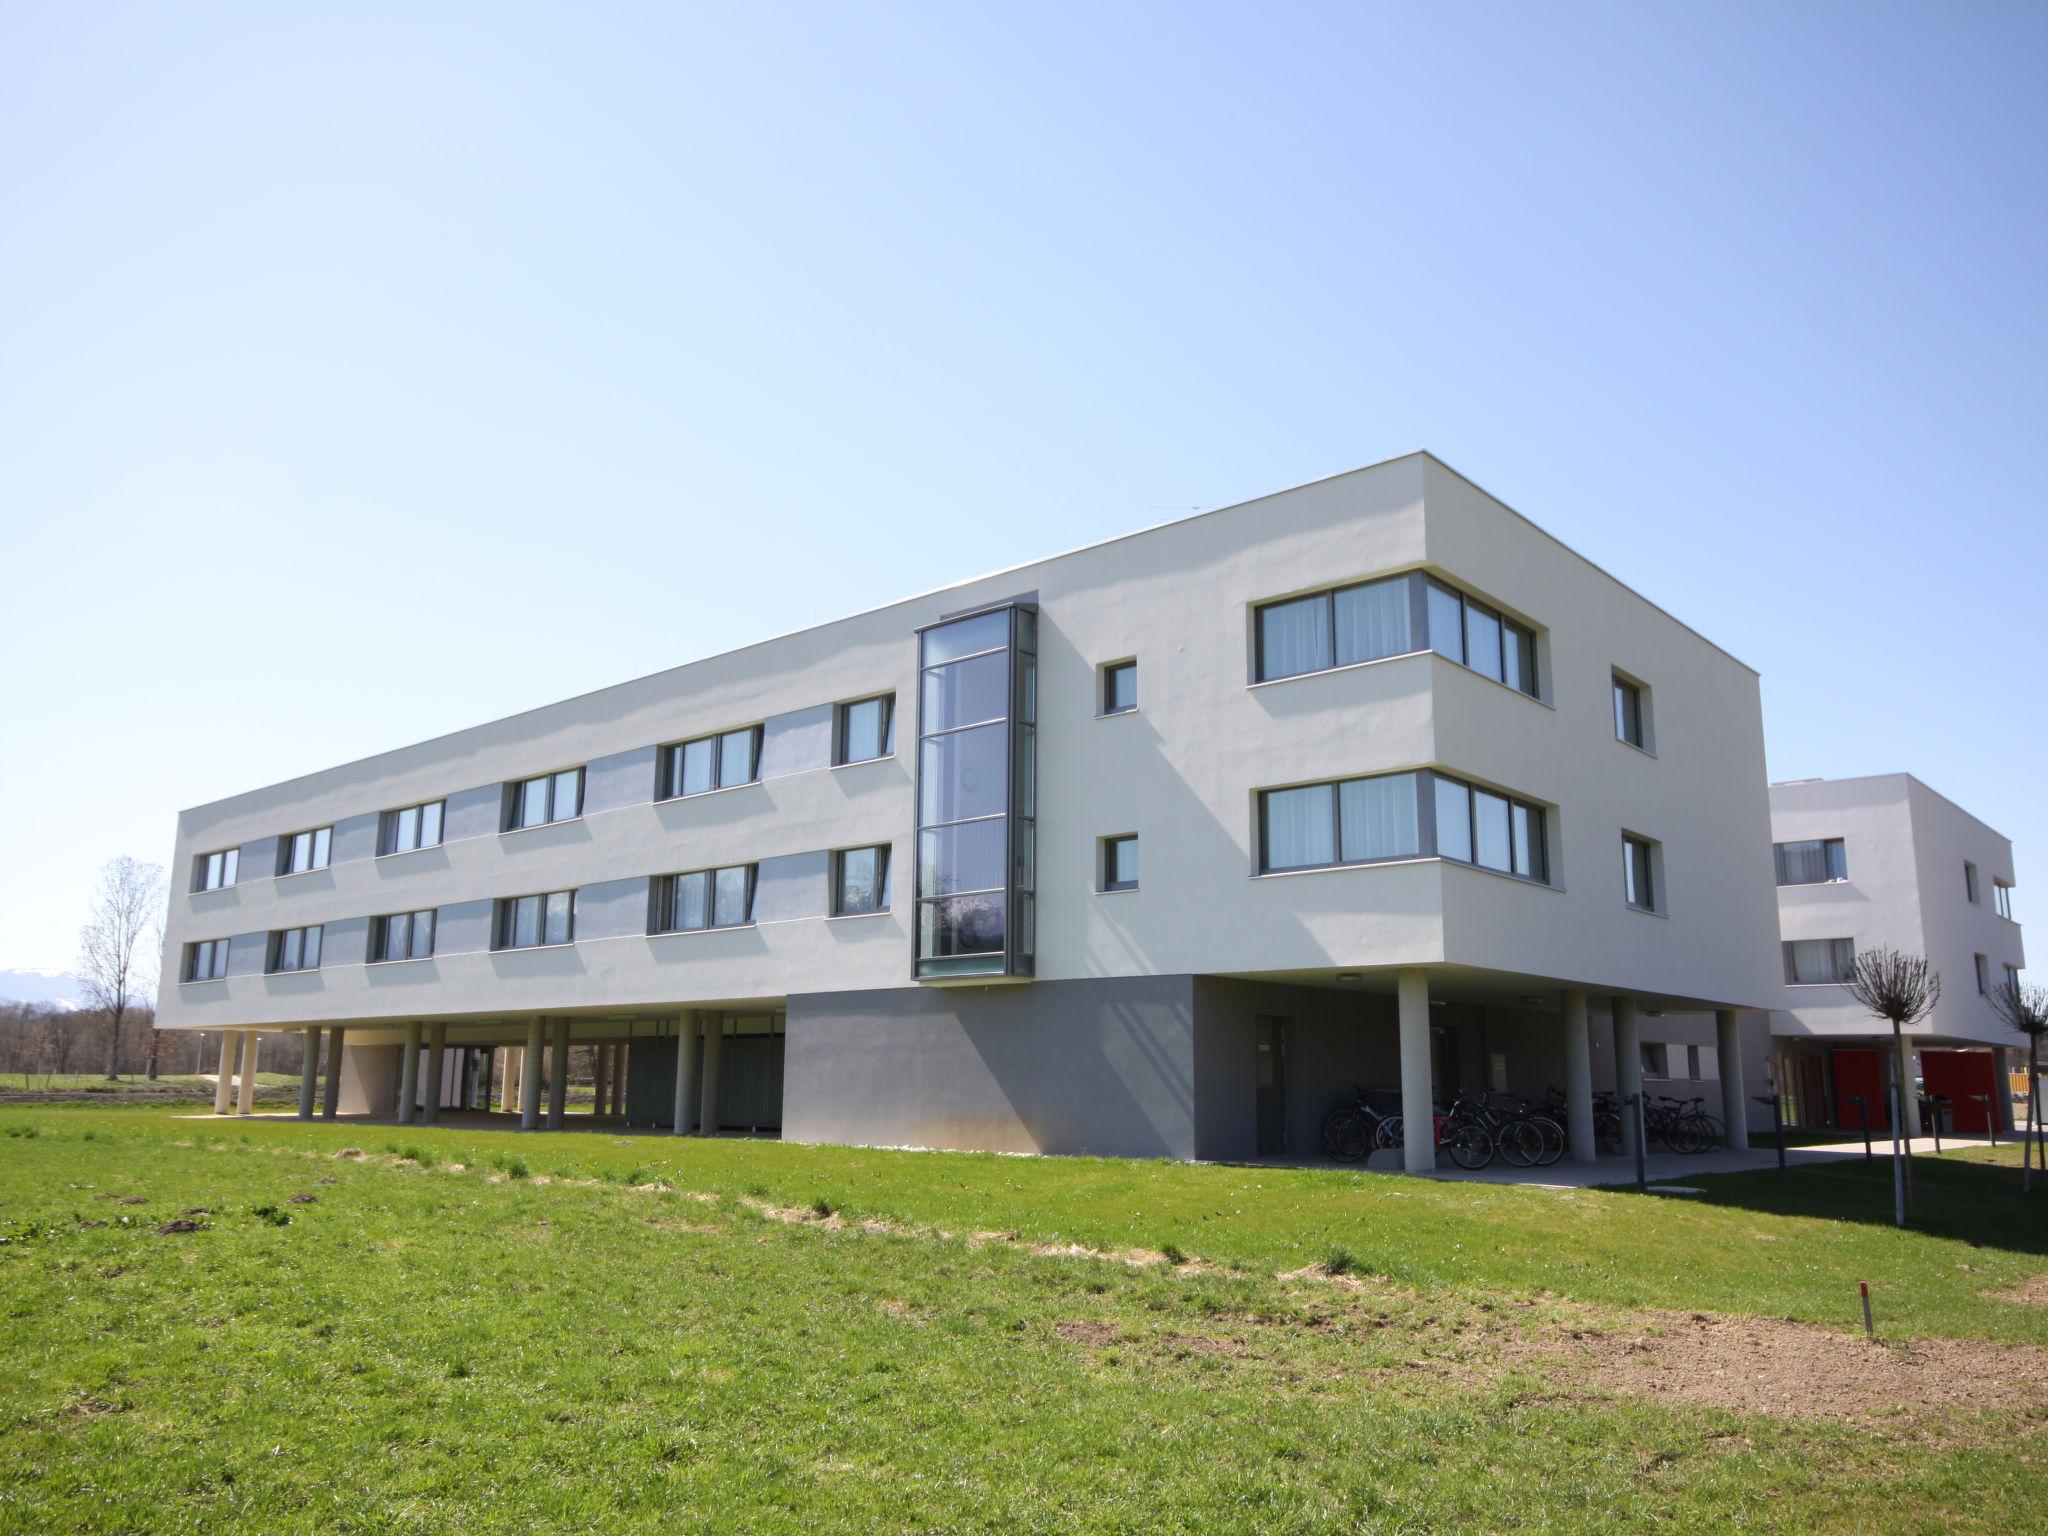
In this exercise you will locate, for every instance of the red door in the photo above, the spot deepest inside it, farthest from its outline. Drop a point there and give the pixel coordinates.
(1860, 1072)
(1961, 1075)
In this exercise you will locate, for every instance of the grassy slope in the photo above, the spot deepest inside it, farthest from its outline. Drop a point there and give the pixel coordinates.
(426, 1351)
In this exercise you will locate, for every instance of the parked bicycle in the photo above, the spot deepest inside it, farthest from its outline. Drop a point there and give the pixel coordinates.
(1460, 1131)
(1353, 1132)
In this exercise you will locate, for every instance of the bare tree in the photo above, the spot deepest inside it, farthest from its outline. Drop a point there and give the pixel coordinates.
(2025, 1009)
(151, 965)
(124, 906)
(1903, 989)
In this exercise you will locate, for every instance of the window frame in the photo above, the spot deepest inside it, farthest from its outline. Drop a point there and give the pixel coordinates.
(1429, 842)
(840, 751)
(1828, 847)
(1973, 887)
(886, 896)
(1651, 875)
(230, 864)
(388, 824)
(1105, 689)
(1512, 631)
(1637, 693)
(666, 887)
(320, 853)
(380, 934)
(216, 949)
(280, 939)
(504, 921)
(1839, 973)
(1106, 878)
(1983, 975)
(512, 816)
(2001, 899)
(669, 761)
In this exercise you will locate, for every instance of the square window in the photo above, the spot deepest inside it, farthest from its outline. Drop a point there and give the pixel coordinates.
(1120, 863)
(1119, 687)
(865, 730)
(863, 881)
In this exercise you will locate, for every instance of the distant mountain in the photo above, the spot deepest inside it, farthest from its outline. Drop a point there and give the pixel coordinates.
(59, 987)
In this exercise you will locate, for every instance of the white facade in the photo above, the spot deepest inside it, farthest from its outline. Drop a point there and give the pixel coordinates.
(1184, 771)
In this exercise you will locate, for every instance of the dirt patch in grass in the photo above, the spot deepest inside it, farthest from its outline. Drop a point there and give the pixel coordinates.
(1086, 1332)
(171, 1228)
(1790, 1370)
(2030, 1293)
(350, 1152)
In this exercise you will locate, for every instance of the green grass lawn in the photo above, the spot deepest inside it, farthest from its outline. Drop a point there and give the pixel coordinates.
(170, 1084)
(799, 1338)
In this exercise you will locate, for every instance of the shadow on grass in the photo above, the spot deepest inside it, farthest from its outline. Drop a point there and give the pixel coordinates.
(1975, 1203)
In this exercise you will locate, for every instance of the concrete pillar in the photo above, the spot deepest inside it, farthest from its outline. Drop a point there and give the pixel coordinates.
(558, 1076)
(247, 1086)
(1628, 1064)
(508, 1096)
(331, 1098)
(686, 1073)
(224, 1089)
(619, 1078)
(2005, 1060)
(409, 1073)
(309, 1072)
(601, 1069)
(1728, 1049)
(1418, 1102)
(437, 1051)
(1578, 1078)
(1910, 1121)
(529, 1075)
(707, 1092)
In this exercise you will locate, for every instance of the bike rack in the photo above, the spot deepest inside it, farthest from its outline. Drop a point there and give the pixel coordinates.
(1940, 1103)
(1990, 1113)
(1863, 1114)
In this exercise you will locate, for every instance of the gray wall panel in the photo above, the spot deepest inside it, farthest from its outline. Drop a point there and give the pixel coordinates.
(258, 860)
(1098, 1066)
(463, 928)
(791, 887)
(247, 953)
(612, 910)
(626, 778)
(797, 741)
(346, 942)
(355, 837)
(474, 812)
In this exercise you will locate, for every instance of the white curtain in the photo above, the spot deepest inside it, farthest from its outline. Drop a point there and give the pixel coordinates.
(1373, 621)
(1379, 817)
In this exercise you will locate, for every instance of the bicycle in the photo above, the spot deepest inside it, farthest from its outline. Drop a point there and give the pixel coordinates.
(1353, 1132)
(1457, 1130)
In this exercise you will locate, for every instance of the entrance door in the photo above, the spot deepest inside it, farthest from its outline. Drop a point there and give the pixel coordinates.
(750, 1096)
(1271, 1079)
(1861, 1073)
(1805, 1091)
(1962, 1076)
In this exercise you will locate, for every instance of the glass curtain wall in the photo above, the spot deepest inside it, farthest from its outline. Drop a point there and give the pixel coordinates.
(976, 794)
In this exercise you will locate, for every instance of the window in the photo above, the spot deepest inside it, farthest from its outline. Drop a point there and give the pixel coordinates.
(1984, 975)
(216, 871)
(416, 826)
(1120, 863)
(295, 949)
(860, 881)
(2012, 976)
(1819, 962)
(2001, 898)
(545, 798)
(1359, 821)
(402, 936)
(206, 960)
(712, 762)
(1814, 862)
(1638, 877)
(706, 898)
(866, 730)
(1394, 616)
(1970, 883)
(1628, 713)
(1656, 1058)
(304, 851)
(533, 922)
(1119, 687)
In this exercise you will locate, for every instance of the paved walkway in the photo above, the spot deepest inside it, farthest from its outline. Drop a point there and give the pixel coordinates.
(1670, 1168)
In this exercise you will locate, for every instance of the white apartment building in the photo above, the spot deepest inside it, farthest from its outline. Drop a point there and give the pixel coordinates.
(1885, 860)
(1154, 848)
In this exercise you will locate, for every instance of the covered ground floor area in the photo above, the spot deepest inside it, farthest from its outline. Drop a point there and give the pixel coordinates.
(1849, 1083)
(1224, 1068)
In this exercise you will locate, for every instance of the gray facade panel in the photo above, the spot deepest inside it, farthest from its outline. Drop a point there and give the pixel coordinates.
(463, 927)
(355, 838)
(626, 778)
(474, 812)
(796, 742)
(247, 954)
(615, 909)
(258, 860)
(790, 887)
(1102, 1067)
(345, 942)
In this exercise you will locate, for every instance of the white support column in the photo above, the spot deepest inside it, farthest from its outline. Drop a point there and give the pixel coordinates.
(2005, 1060)
(600, 1058)
(309, 1073)
(224, 1089)
(1578, 1078)
(1910, 1099)
(714, 1055)
(437, 1051)
(331, 1098)
(409, 1073)
(619, 1078)
(1418, 1102)
(529, 1075)
(558, 1075)
(1728, 1051)
(246, 1099)
(686, 1072)
(1628, 1064)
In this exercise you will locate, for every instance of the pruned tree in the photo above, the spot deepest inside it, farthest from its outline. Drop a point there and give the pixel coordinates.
(2025, 1010)
(122, 915)
(1902, 989)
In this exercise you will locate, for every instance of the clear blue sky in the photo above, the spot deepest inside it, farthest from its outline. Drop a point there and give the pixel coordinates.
(367, 372)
